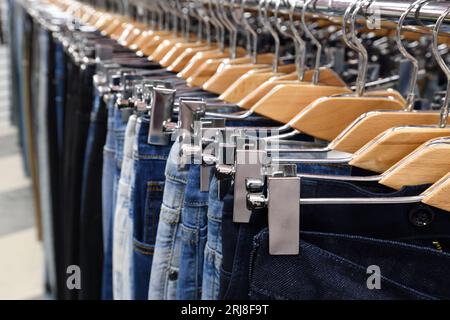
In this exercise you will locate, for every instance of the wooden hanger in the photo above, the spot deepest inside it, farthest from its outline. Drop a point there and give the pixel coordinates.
(437, 195)
(417, 133)
(184, 58)
(226, 76)
(292, 95)
(325, 118)
(425, 165)
(231, 72)
(251, 96)
(392, 145)
(369, 125)
(250, 81)
(210, 67)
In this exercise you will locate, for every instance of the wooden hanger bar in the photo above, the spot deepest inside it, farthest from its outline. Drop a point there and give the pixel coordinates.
(392, 145)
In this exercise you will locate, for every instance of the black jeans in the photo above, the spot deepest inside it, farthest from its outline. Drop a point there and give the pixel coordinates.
(77, 118)
(91, 238)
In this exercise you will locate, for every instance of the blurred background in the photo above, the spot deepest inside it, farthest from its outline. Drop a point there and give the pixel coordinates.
(21, 262)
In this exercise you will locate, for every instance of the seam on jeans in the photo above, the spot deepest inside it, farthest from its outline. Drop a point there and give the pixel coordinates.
(142, 249)
(150, 157)
(197, 204)
(169, 262)
(214, 218)
(391, 244)
(175, 179)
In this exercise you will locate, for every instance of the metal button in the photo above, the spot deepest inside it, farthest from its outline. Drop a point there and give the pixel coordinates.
(173, 275)
(421, 216)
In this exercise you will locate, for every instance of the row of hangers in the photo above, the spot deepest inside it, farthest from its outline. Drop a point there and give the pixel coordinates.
(379, 130)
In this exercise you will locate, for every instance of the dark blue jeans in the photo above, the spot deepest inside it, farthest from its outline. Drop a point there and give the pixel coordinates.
(335, 267)
(414, 223)
(146, 198)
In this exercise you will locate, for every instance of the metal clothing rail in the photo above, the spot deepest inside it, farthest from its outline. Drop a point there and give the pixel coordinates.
(385, 10)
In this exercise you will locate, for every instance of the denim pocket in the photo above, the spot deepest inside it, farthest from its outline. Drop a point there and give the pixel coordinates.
(153, 201)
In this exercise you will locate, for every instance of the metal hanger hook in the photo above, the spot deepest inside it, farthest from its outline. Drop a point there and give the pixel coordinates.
(251, 32)
(300, 45)
(415, 63)
(444, 67)
(316, 74)
(218, 25)
(264, 8)
(364, 56)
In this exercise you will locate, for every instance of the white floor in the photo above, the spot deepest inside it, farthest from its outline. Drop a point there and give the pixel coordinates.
(21, 262)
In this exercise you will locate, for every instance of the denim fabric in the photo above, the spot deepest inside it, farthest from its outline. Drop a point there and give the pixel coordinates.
(41, 77)
(108, 171)
(108, 179)
(59, 93)
(147, 197)
(193, 230)
(399, 222)
(123, 223)
(166, 261)
(79, 97)
(332, 266)
(91, 234)
(119, 128)
(213, 248)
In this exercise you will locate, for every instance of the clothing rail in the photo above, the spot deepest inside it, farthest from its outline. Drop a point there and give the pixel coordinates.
(386, 10)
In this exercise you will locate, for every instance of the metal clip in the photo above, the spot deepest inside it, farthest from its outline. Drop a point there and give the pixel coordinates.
(208, 134)
(161, 112)
(248, 164)
(283, 206)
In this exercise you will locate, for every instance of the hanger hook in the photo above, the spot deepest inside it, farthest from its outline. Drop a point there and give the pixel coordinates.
(264, 8)
(364, 56)
(219, 26)
(300, 45)
(250, 31)
(444, 67)
(316, 74)
(278, 21)
(232, 29)
(415, 63)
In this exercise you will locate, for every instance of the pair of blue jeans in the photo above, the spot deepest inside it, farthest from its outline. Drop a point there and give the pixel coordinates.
(193, 229)
(166, 261)
(123, 275)
(335, 267)
(112, 164)
(147, 197)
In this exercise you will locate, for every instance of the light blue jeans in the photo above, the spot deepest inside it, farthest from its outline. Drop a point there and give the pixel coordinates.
(166, 259)
(123, 223)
